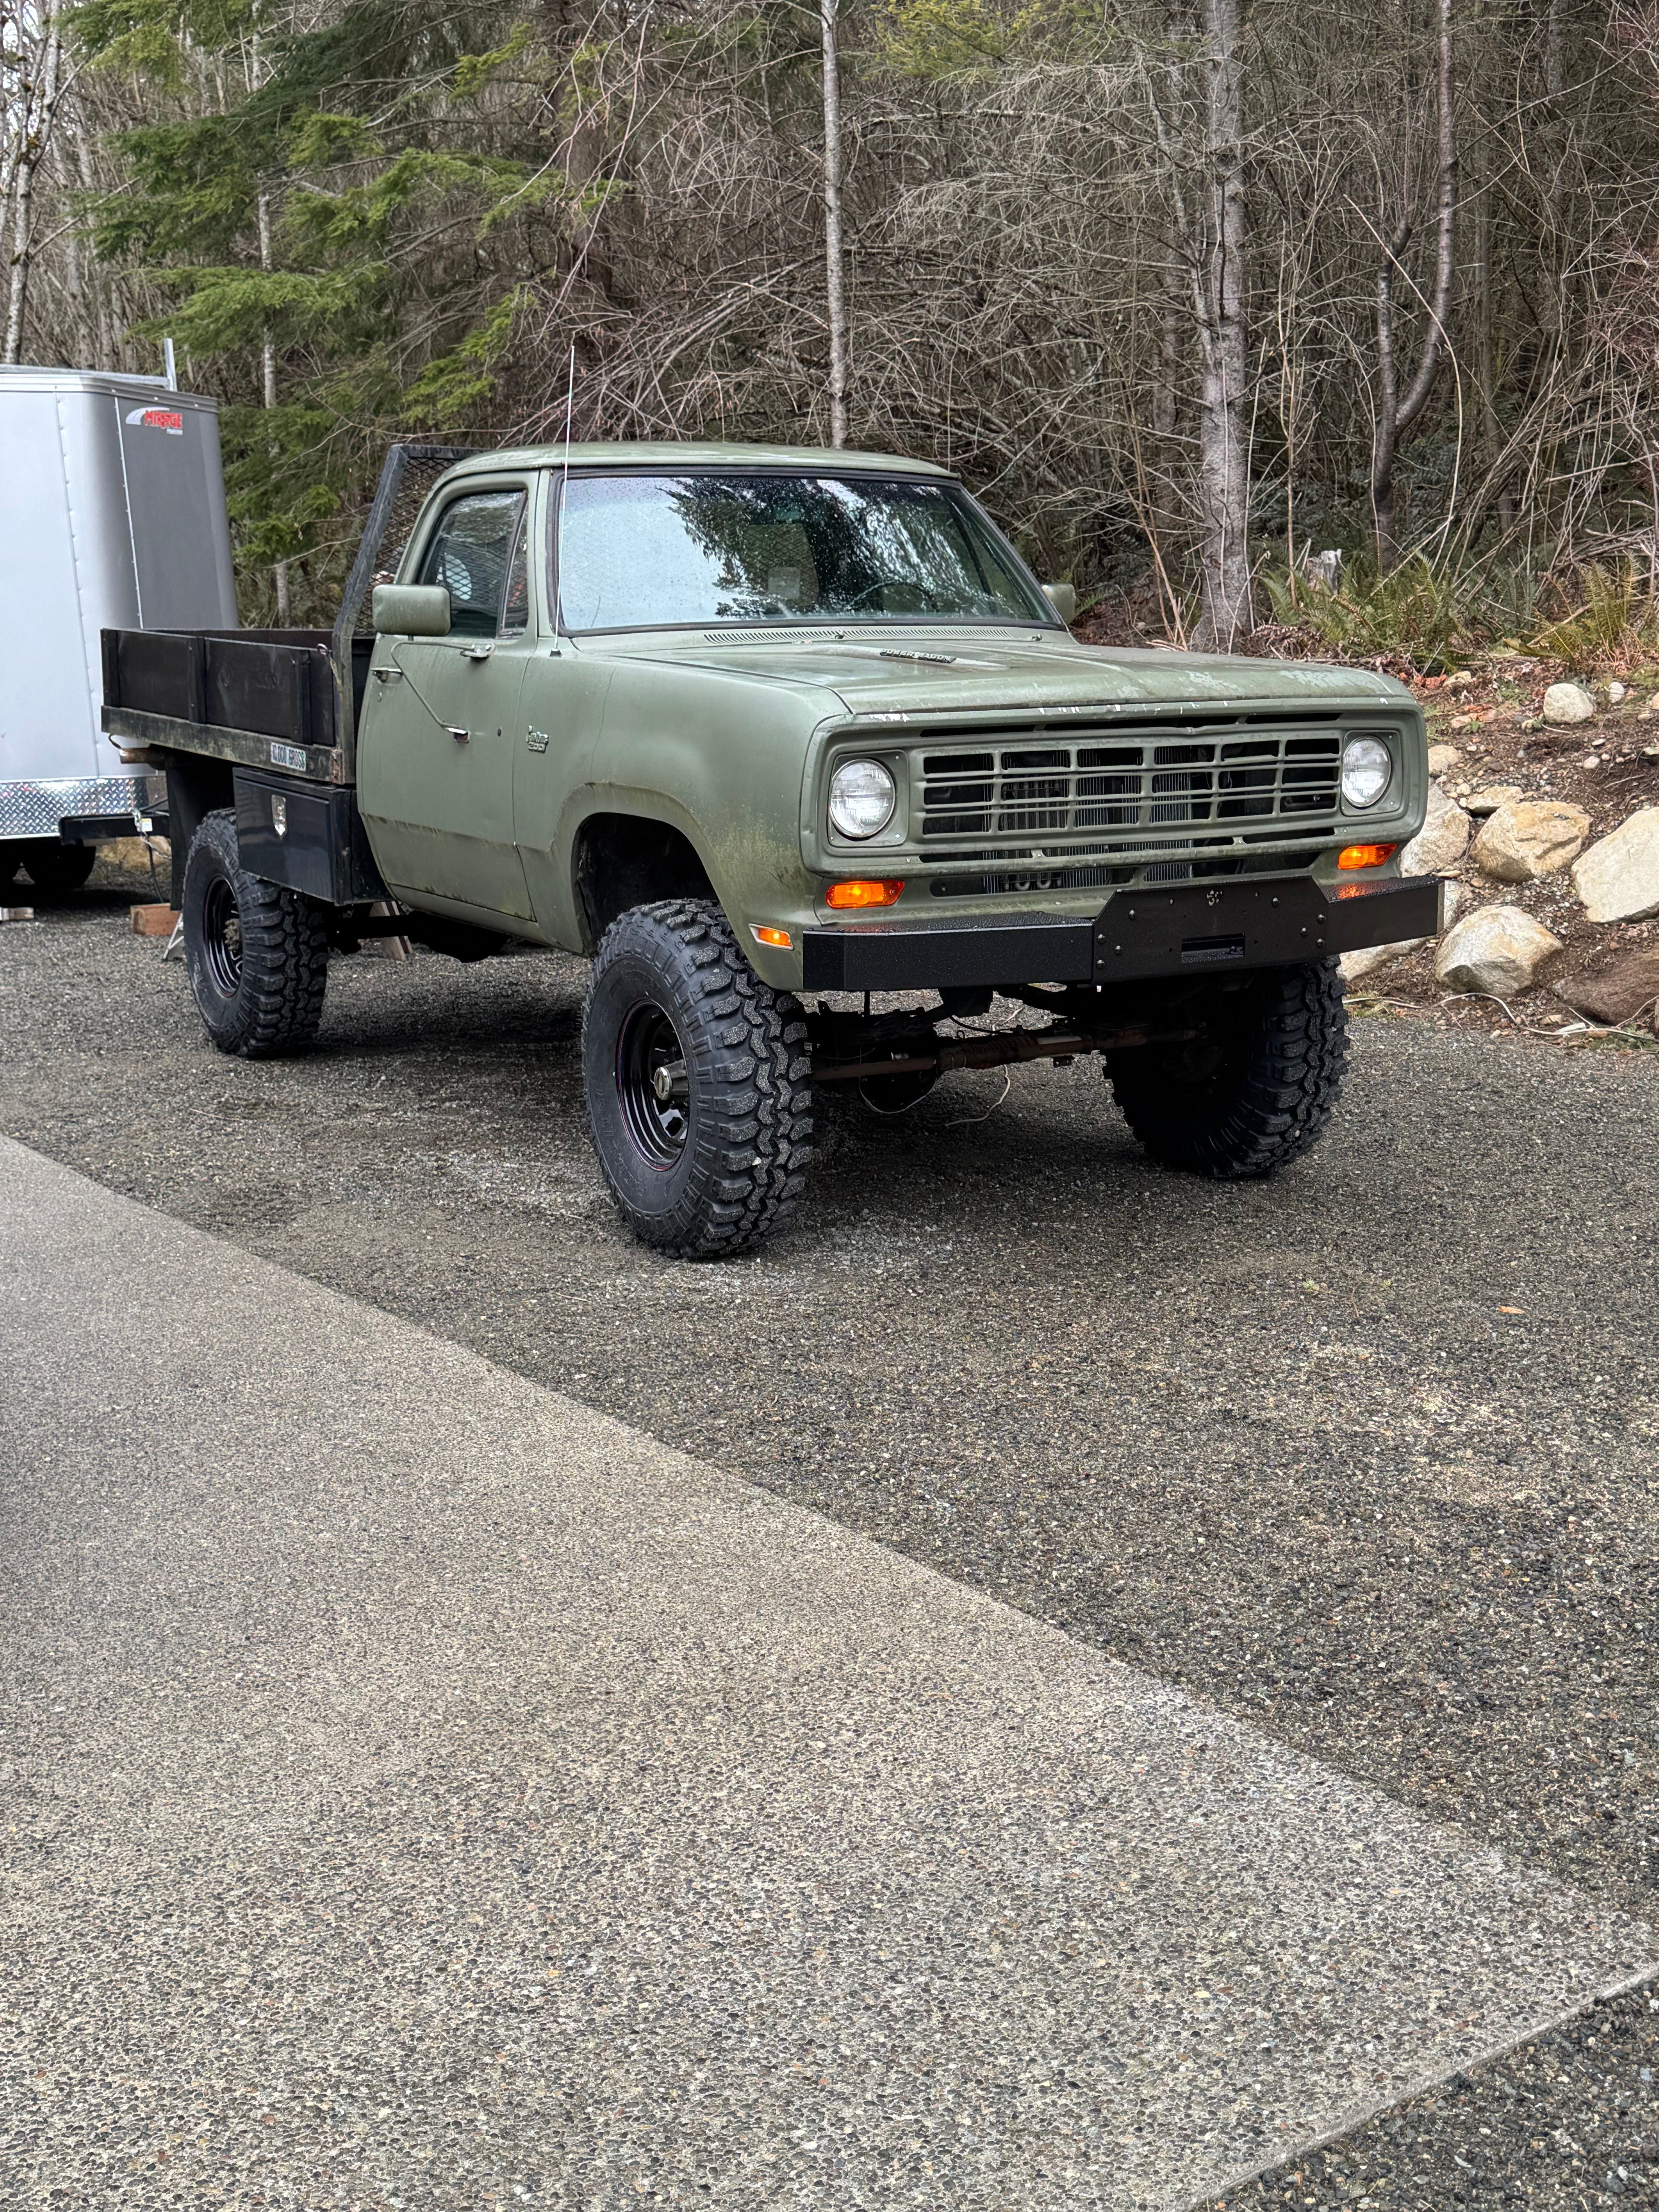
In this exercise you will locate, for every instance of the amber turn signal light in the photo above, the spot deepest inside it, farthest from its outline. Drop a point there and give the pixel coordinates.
(858, 893)
(764, 933)
(1364, 856)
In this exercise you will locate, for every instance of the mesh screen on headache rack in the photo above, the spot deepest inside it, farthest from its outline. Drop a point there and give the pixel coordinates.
(422, 466)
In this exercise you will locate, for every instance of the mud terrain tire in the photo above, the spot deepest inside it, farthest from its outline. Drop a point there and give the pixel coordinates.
(1254, 1091)
(698, 1083)
(256, 954)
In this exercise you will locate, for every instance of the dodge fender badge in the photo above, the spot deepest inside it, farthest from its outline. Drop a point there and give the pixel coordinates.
(279, 813)
(536, 741)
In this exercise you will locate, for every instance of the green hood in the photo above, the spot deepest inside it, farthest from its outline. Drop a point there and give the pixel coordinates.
(932, 672)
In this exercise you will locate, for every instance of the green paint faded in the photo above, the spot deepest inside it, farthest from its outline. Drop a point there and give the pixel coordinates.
(731, 739)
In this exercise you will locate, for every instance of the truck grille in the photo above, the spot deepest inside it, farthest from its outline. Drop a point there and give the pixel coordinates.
(1223, 772)
(1277, 859)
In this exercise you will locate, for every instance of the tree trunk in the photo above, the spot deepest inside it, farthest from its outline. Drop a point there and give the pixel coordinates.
(1395, 416)
(41, 98)
(1226, 616)
(268, 363)
(834, 271)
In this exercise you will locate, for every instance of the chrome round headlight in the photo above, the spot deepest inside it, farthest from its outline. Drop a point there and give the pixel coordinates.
(1366, 769)
(862, 796)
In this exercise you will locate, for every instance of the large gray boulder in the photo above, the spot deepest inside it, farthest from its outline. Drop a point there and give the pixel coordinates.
(1497, 949)
(1525, 838)
(1441, 842)
(1618, 879)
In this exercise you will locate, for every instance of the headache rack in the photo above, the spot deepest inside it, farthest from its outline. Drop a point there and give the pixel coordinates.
(280, 701)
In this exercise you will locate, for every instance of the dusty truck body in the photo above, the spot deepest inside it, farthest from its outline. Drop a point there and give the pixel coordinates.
(767, 734)
(111, 511)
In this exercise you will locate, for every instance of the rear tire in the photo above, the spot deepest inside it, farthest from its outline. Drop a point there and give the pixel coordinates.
(698, 1083)
(1254, 1090)
(257, 954)
(50, 866)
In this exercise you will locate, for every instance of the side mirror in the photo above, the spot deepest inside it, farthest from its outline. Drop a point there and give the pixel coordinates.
(411, 610)
(1062, 598)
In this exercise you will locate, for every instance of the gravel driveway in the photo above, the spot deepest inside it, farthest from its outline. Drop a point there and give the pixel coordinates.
(1365, 1455)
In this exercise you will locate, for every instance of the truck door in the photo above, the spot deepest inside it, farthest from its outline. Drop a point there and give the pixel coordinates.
(561, 709)
(435, 754)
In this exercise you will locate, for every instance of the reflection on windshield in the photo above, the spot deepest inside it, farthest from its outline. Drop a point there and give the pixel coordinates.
(640, 550)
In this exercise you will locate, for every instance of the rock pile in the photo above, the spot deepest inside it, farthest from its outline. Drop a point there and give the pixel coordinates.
(1499, 949)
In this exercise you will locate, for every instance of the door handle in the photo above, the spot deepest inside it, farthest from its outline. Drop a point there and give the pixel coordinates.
(459, 736)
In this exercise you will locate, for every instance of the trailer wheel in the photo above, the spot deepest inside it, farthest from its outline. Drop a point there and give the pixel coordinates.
(50, 866)
(1256, 1087)
(698, 1083)
(257, 954)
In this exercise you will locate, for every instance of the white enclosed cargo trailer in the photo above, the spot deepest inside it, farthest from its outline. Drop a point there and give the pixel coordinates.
(111, 515)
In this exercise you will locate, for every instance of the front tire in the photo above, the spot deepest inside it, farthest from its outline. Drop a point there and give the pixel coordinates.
(50, 866)
(1254, 1088)
(698, 1083)
(256, 954)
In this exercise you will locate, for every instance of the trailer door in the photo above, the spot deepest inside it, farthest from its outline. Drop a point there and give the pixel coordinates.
(175, 503)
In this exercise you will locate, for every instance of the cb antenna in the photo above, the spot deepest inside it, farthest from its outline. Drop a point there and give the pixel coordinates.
(565, 490)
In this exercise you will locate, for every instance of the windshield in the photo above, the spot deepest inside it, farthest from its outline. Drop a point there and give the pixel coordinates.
(638, 552)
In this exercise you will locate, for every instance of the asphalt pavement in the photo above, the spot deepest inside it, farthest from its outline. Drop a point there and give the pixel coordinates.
(1363, 1457)
(434, 1791)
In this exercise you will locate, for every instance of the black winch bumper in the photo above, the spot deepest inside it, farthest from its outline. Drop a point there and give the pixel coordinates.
(1184, 929)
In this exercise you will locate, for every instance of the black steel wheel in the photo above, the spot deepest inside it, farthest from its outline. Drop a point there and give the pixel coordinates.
(652, 1083)
(256, 953)
(50, 866)
(1256, 1085)
(698, 1083)
(221, 936)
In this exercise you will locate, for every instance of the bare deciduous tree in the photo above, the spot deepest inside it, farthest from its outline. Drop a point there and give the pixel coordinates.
(1219, 278)
(834, 273)
(34, 82)
(1398, 414)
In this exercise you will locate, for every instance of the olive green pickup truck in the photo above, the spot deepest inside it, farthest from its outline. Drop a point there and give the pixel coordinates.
(774, 736)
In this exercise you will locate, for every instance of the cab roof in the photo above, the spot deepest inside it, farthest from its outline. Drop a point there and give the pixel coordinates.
(670, 456)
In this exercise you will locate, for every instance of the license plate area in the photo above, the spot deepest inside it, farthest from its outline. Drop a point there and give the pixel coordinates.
(1187, 926)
